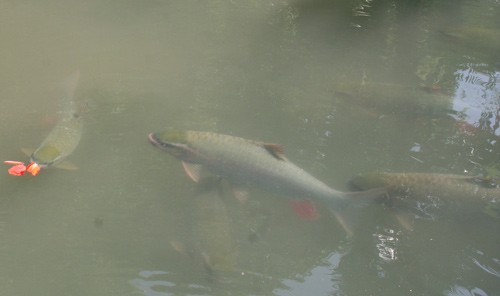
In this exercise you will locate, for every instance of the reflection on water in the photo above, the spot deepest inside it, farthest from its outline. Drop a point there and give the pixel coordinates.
(462, 291)
(322, 279)
(348, 87)
(150, 287)
(387, 245)
(491, 264)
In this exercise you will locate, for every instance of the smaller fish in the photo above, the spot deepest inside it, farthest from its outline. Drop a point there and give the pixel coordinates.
(65, 136)
(62, 139)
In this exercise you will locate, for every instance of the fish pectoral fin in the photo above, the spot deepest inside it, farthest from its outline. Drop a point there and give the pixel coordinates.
(192, 170)
(67, 165)
(27, 151)
(276, 150)
(345, 220)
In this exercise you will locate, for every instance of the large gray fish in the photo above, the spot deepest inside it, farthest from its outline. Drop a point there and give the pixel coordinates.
(446, 191)
(65, 136)
(250, 163)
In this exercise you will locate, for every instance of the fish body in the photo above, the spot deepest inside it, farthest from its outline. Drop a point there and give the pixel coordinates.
(442, 190)
(248, 163)
(65, 136)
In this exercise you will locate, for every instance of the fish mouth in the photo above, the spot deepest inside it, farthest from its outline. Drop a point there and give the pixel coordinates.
(41, 164)
(153, 139)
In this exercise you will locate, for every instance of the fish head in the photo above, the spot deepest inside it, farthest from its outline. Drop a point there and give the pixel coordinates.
(46, 155)
(175, 143)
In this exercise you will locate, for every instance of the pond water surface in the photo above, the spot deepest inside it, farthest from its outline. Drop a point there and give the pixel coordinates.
(348, 87)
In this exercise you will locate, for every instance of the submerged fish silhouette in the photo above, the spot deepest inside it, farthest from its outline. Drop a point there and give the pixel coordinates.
(62, 139)
(442, 191)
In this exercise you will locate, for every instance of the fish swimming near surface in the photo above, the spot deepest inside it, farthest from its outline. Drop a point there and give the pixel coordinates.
(246, 163)
(62, 139)
(447, 192)
(65, 136)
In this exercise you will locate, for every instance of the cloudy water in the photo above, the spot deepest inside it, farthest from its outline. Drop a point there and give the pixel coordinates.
(348, 87)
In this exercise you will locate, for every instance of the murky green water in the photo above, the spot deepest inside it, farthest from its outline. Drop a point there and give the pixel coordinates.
(348, 87)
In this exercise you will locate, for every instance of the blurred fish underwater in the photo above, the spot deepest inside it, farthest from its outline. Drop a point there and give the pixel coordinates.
(62, 140)
(431, 194)
(209, 243)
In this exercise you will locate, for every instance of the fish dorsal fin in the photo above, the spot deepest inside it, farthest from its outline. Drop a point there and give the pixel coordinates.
(276, 150)
(192, 170)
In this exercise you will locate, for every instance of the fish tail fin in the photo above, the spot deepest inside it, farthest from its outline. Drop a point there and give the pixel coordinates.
(347, 211)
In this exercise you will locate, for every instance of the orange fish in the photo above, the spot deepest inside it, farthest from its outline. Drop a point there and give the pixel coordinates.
(18, 168)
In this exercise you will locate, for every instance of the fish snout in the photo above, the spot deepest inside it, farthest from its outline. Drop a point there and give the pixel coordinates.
(156, 141)
(152, 139)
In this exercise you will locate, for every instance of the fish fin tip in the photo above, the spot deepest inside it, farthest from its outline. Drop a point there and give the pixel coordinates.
(13, 162)
(346, 223)
(276, 150)
(192, 170)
